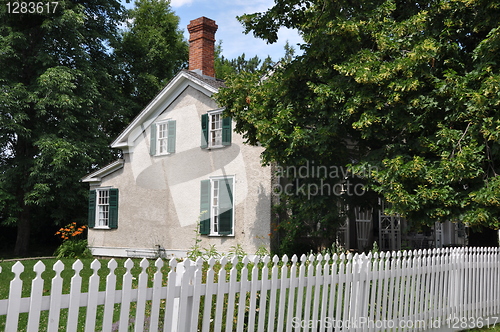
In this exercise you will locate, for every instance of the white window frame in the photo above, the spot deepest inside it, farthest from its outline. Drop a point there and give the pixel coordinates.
(212, 132)
(162, 139)
(214, 218)
(102, 206)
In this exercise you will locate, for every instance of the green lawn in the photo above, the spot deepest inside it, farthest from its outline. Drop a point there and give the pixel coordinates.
(28, 275)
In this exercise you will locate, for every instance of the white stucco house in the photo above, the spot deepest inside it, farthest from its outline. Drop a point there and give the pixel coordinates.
(184, 170)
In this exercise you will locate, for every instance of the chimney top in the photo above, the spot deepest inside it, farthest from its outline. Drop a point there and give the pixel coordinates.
(202, 46)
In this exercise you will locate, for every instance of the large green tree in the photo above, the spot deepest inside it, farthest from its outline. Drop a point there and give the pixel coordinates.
(152, 49)
(58, 108)
(406, 91)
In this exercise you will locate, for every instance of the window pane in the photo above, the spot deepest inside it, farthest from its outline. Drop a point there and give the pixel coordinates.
(102, 208)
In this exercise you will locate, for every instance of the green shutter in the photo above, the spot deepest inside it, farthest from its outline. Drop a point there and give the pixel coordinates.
(171, 136)
(205, 207)
(152, 145)
(91, 218)
(204, 131)
(113, 208)
(226, 131)
(226, 206)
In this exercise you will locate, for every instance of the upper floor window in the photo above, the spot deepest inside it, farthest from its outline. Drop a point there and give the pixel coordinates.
(216, 130)
(162, 138)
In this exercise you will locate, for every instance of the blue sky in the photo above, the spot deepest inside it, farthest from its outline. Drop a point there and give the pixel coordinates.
(230, 31)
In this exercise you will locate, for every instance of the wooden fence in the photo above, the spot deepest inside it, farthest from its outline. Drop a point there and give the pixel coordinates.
(405, 291)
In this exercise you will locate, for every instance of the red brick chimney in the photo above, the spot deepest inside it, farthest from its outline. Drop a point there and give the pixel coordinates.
(202, 45)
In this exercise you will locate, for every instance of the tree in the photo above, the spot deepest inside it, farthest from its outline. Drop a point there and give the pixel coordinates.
(152, 50)
(406, 92)
(58, 109)
(225, 67)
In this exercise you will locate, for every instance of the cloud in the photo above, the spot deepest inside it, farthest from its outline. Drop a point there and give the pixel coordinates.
(179, 3)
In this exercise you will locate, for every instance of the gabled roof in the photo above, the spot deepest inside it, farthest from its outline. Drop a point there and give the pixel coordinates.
(106, 170)
(165, 97)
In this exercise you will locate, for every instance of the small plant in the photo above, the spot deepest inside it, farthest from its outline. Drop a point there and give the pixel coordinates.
(73, 245)
(197, 250)
(237, 251)
(262, 251)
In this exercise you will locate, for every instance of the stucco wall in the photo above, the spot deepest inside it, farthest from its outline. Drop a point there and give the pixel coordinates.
(159, 196)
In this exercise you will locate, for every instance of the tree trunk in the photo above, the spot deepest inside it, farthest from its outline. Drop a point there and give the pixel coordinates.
(23, 233)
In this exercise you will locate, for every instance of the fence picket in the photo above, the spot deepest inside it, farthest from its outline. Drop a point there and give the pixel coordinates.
(197, 292)
(291, 293)
(209, 291)
(36, 298)
(310, 283)
(74, 301)
(92, 297)
(264, 286)
(244, 288)
(170, 296)
(274, 286)
(55, 298)
(219, 302)
(14, 304)
(233, 273)
(141, 296)
(109, 305)
(284, 282)
(126, 296)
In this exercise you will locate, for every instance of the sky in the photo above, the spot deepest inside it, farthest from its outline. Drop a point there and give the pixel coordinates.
(230, 31)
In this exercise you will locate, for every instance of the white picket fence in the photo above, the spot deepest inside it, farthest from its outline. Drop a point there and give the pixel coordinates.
(404, 291)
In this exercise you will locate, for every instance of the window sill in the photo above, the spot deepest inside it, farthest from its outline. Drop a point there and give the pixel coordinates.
(217, 147)
(220, 235)
(101, 227)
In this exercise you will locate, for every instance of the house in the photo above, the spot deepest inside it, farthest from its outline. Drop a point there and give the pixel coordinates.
(184, 171)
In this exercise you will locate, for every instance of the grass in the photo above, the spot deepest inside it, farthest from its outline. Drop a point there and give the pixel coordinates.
(28, 275)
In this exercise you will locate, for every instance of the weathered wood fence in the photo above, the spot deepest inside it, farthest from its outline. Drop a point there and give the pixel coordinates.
(405, 291)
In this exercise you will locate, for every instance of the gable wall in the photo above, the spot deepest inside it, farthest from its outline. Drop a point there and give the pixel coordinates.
(159, 196)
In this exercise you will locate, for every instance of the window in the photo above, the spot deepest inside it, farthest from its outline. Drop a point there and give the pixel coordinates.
(102, 217)
(216, 206)
(216, 130)
(162, 138)
(103, 208)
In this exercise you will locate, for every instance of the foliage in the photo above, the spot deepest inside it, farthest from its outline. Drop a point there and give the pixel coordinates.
(407, 90)
(58, 110)
(69, 82)
(73, 245)
(151, 50)
(226, 67)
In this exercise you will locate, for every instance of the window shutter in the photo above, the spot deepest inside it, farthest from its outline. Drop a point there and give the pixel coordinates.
(171, 136)
(204, 131)
(205, 207)
(226, 206)
(226, 131)
(91, 219)
(152, 145)
(113, 208)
